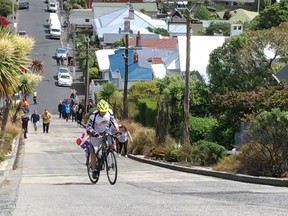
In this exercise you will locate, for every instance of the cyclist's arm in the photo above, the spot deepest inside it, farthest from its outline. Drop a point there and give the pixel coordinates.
(113, 120)
(90, 126)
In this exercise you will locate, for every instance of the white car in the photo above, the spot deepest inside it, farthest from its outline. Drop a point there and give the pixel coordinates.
(63, 70)
(61, 52)
(65, 80)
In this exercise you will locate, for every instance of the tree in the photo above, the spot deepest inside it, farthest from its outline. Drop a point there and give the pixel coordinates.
(118, 43)
(218, 28)
(267, 153)
(202, 13)
(143, 89)
(108, 90)
(227, 15)
(4, 22)
(271, 16)
(14, 56)
(5, 8)
(245, 60)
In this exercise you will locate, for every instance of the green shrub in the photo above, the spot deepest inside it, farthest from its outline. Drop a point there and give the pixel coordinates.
(8, 138)
(2, 156)
(266, 153)
(147, 112)
(201, 128)
(174, 155)
(207, 153)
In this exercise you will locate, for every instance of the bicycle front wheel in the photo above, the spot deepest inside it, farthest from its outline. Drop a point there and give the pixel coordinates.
(111, 167)
(93, 177)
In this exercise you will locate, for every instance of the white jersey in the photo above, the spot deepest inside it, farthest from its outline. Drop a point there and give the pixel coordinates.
(101, 123)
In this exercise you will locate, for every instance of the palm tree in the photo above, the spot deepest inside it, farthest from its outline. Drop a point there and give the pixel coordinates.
(108, 90)
(14, 56)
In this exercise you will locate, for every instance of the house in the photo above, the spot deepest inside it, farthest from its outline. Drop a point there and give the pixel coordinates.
(103, 8)
(123, 21)
(239, 15)
(81, 18)
(200, 49)
(135, 71)
(152, 53)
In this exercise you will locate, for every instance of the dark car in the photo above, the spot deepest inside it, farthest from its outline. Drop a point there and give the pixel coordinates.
(24, 5)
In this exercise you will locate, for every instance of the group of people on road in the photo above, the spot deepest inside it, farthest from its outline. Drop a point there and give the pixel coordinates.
(35, 119)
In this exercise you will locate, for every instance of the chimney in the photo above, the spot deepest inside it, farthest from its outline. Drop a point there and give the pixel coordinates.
(126, 26)
(138, 39)
(131, 13)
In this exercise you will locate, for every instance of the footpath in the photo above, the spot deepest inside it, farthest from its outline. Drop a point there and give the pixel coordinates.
(7, 166)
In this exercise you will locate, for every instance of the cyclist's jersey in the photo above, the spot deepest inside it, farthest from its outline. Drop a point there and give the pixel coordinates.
(99, 123)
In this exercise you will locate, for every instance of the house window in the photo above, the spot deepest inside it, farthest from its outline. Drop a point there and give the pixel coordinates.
(86, 20)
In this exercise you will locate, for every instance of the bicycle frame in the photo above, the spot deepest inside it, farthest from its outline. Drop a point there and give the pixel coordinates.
(106, 160)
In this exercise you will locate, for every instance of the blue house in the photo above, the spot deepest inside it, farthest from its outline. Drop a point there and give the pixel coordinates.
(135, 72)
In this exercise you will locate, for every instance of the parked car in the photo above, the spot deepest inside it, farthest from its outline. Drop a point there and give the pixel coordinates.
(63, 70)
(52, 7)
(22, 33)
(61, 52)
(24, 5)
(65, 80)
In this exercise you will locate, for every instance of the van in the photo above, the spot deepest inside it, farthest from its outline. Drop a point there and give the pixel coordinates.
(55, 30)
(53, 18)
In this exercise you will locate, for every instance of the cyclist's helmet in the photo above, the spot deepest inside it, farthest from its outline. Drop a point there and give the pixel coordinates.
(102, 106)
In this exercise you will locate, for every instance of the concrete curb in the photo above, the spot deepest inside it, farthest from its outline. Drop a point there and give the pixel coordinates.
(210, 172)
(10, 161)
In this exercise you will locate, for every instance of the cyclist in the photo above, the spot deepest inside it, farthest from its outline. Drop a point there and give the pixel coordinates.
(99, 121)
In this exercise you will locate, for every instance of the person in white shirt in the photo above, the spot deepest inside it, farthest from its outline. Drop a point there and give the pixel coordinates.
(99, 121)
(122, 139)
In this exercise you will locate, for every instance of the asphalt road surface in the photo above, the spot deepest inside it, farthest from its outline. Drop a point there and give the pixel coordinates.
(51, 179)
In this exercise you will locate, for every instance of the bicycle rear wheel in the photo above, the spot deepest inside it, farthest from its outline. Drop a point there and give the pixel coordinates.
(111, 167)
(94, 179)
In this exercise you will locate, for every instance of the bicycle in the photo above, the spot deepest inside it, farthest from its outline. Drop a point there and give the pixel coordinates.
(106, 159)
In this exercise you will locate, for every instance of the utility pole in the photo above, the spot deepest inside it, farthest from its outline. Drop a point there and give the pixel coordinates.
(87, 76)
(186, 136)
(125, 98)
(74, 53)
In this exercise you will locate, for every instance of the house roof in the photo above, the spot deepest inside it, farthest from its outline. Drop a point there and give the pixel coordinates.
(148, 6)
(159, 70)
(110, 23)
(135, 72)
(240, 15)
(200, 49)
(169, 43)
(103, 58)
(282, 75)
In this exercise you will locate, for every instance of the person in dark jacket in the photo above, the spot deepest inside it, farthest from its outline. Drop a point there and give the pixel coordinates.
(25, 120)
(35, 118)
(60, 109)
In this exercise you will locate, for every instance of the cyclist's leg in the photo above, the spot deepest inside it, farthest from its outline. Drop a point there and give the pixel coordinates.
(96, 144)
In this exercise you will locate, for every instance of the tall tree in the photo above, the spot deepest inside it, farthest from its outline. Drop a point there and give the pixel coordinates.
(271, 16)
(5, 8)
(245, 62)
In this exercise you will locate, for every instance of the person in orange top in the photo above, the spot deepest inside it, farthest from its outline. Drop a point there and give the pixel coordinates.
(46, 117)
